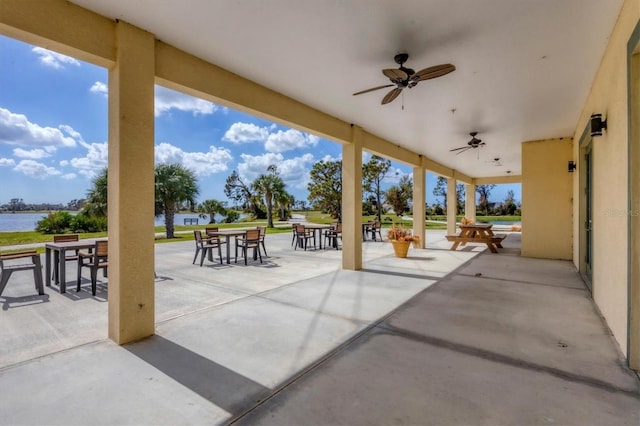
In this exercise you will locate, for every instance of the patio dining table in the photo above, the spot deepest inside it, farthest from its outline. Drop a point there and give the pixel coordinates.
(317, 227)
(227, 234)
(58, 250)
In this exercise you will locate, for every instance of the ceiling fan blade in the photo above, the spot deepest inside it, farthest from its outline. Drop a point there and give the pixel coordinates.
(372, 89)
(460, 152)
(391, 95)
(433, 72)
(395, 75)
(457, 149)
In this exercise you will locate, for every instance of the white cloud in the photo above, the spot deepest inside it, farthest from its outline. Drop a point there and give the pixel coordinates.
(34, 154)
(100, 88)
(293, 171)
(7, 162)
(329, 159)
(202, 163)
(92, 163)
(35, 169)
(16, 129)
(167, 99)
(54, 59)
(288, 140)
(69, 176)
(245, 133)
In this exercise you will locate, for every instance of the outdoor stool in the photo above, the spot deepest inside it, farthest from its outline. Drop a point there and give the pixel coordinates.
(7, 270)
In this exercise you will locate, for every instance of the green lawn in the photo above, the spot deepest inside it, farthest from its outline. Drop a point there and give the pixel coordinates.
(28, 237)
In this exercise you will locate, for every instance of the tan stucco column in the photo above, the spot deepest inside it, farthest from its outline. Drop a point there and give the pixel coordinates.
(131, 187)
(470, 202)
(451, 205)
(352, 201)
(419, 200)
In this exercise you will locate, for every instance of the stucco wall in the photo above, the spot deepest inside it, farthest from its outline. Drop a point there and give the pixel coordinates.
(608, 96)
(547, 199)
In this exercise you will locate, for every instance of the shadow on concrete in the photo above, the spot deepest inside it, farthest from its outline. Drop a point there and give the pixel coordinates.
(223, 387)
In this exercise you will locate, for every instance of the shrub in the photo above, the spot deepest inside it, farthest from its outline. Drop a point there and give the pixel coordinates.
(231, 216)
(54, 223)
(85, 223)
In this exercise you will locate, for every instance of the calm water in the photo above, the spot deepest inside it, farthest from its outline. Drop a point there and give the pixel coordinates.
(12, 222)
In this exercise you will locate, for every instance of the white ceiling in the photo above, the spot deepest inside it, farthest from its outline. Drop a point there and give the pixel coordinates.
(524, 67)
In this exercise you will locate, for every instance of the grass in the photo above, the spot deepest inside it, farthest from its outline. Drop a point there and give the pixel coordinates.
(182, 233)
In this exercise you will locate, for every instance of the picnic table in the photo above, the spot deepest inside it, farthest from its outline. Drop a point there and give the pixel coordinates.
(477, 233)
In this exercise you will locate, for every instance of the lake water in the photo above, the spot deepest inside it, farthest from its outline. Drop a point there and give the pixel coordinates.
(14, 222)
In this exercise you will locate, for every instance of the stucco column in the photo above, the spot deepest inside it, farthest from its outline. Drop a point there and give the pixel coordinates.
(451, 205)
(131, 186)
(419, 199)
(352, 201)
(470, 202)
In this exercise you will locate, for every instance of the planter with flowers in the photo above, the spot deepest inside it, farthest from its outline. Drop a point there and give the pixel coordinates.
(401, 238)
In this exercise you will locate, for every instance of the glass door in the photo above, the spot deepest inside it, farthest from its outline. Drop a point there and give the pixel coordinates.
(588, 224)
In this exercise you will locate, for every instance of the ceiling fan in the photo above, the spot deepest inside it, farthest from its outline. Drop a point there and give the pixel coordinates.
(406, 77)
(473, 143)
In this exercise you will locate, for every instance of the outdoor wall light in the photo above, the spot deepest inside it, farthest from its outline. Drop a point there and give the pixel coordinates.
(571, 166)
(597, 124)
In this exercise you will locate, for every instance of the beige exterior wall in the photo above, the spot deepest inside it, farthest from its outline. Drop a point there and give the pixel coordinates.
(547, 199)
(609, 96)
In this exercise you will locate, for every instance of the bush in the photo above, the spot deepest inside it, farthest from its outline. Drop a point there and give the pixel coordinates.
(63, 222)
(85, 223)
(231, 216)
(54, 223)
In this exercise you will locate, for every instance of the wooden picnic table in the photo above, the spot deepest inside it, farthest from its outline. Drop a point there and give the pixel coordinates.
(477, 233)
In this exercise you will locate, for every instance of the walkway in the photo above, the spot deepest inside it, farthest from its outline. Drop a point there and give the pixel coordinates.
(441, 337)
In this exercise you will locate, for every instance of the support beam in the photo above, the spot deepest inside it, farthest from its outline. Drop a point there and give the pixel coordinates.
(352, 202)
(470, 202)
(419, 200)
(131, 187)
(60, 26)
(451, 206)
(497, 180)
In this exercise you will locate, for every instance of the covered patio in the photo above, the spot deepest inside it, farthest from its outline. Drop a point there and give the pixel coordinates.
(441, 337)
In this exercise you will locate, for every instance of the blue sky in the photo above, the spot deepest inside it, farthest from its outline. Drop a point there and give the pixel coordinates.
(53, 134)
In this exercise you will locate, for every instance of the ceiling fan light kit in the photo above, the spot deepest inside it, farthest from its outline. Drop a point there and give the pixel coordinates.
(404, 77)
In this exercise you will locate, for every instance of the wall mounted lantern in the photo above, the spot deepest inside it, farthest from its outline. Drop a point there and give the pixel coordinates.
(571, 166)
(597, 124)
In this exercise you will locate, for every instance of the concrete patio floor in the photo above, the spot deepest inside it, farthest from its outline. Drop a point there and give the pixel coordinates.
(441, 337)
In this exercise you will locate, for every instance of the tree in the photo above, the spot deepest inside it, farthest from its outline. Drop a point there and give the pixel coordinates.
(441, 189)
(373, 172)
(284, 201)
(325, 187)
(484, 191)
(175, 184)
(399, 196)
(460, 203)
(17, 204)
(96, 203)
(269, 186)
(510, 205)
(240, 192)
(210, 208)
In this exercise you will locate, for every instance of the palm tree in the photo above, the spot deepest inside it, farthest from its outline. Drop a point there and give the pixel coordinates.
(96, 204)
(269, 186)
(175, 184)
(211, 207)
